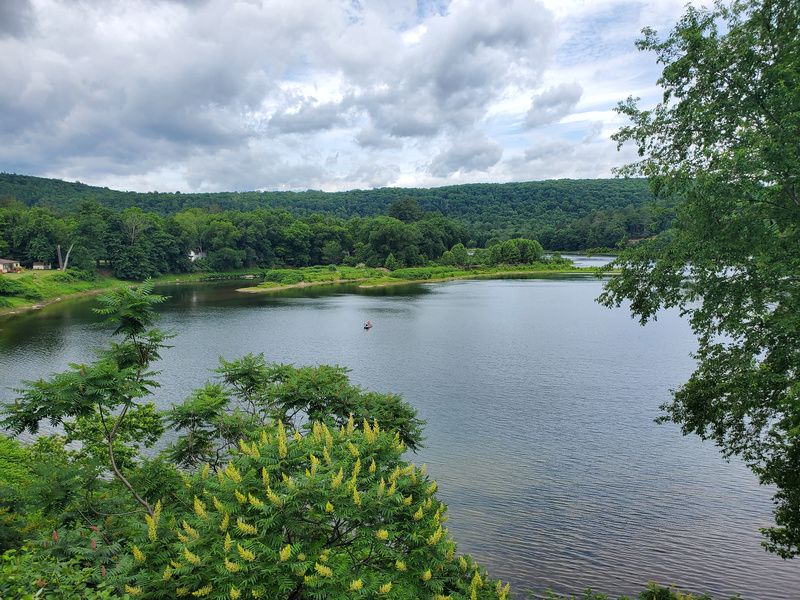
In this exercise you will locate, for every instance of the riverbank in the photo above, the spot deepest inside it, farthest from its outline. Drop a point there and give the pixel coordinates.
(33, 290)
(284, 279)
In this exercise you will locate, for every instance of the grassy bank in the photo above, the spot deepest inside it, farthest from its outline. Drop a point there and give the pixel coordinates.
(365, 277)
(34, 289)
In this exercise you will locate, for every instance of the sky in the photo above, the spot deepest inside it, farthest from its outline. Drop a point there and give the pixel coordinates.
(213, 95)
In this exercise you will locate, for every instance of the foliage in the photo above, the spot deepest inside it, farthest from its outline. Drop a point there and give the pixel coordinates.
(145, 235)
(253, 394)
(100, 403)
(28, 574)
(325, 514)
(724, 141)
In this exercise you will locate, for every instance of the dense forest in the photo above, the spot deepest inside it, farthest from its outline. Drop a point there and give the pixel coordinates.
(561, 214)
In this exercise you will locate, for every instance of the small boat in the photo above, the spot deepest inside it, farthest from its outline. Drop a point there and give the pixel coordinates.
(368, 325)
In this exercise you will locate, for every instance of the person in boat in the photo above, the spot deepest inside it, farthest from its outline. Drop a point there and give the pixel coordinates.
(368, 325)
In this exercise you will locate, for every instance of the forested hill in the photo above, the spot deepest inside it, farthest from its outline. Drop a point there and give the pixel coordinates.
(558, 212)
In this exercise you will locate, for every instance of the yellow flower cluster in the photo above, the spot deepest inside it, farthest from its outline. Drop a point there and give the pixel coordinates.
(274, 498)
(426, 575)
(314, 465)
(204, 472)
(382, 534)
(249, 450)
(254, 501)
(282, 449)
(400, 565)
(419, 514)
(285, 553)
(350, 424)
(233, 473)
(231, 566)
(356, 497)
(138, 555)
(240, 497)
(328, 507)
(167, 574)
(432, 488)
(476, 580)
(336, 481)
(191, 557)
(234, 593)
(199, 508)
(353, 450)
(133, 590)
(372, 466)
(265, 477)
(245, 553)
(356, 585)
(226, 519)
(370, 433)
(323, 570)
(191, 531)
(203, 591)
(152, 522)
(502, 590)
(436, 536)
(385, 588)
(227, 543)
(244, 527)
(356, 471)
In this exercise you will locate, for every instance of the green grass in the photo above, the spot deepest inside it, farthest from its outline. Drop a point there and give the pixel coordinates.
(369, 277)
(21, 290)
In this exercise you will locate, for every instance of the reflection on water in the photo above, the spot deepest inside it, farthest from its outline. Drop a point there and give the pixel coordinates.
(540, 408)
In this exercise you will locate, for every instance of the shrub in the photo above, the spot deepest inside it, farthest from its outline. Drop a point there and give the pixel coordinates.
(321, 515)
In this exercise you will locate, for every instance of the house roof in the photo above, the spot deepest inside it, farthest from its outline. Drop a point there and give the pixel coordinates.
(5, 261)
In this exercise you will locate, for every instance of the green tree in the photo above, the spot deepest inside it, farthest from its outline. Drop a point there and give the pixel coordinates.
(406, 210)
(724, 142)
(326, 514)
(100, 402)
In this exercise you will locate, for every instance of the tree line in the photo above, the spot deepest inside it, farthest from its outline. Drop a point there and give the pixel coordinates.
(562, 214)
(135, 244)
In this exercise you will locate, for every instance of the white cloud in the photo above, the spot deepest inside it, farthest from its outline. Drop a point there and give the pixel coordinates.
(245, 94)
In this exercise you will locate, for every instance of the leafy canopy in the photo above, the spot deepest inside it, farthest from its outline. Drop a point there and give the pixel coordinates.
(724, 142)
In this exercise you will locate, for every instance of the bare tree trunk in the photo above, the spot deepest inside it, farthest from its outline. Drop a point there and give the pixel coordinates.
(60, 261)
(66, 260)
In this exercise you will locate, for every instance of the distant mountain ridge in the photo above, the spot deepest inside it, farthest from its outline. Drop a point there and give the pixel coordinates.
(546, 210)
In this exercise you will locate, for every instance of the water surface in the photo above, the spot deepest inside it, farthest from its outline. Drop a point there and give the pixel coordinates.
(540, 408)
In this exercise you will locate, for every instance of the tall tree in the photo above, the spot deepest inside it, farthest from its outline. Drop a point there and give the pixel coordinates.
(724, 141)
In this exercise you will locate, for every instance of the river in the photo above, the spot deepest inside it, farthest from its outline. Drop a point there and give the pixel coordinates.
(540, 407)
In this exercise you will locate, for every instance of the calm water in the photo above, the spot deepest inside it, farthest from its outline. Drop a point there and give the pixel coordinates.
(540, 408)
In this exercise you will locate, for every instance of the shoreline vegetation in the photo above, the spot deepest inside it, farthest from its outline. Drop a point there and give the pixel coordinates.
(33, 290)
(282, 279)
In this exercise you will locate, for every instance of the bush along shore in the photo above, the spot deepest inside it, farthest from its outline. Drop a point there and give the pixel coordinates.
(35, 289)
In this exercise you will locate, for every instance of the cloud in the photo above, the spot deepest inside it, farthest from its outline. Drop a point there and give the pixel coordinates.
(307, 118)
(471, 152)
(552, 104)
(232, 94)
(16, 18)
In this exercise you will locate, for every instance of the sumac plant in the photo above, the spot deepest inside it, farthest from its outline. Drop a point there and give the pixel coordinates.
(322, 513)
